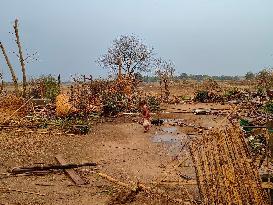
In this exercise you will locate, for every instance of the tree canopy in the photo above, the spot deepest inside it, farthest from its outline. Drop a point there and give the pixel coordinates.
(129, 53)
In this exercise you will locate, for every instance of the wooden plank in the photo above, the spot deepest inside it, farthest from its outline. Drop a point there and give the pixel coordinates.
(70, 172)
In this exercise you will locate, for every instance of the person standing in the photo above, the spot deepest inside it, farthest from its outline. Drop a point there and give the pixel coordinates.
(146, 116)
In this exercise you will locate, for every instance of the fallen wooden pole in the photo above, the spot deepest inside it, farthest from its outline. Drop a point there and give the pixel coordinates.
(21, 170)
(115, 181)
(142, 187)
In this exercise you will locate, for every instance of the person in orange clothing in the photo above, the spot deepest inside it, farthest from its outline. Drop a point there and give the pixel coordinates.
(145, 115)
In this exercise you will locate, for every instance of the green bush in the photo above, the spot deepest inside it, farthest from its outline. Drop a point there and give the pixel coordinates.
(244, 122)
(201, 96)
(268, 107)
(45, 86)
(153, 103)
(231, 92)
(113, 103)
(52, 88)
(184, 97)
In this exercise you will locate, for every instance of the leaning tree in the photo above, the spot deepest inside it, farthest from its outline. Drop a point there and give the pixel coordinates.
(164, 70)
(23, 60)
(13, 74)
(128, 54)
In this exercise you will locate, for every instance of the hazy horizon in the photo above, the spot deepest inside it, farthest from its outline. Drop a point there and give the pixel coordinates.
(200, 37)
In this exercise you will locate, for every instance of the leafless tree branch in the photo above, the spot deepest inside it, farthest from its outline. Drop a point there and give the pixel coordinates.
(133, 54)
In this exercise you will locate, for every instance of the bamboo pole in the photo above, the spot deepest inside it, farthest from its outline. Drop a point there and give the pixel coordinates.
(22, 61)
(142, 187)
(13, 74)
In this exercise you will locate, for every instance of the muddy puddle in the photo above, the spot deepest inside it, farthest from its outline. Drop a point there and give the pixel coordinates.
(171, 138)
(172, 130)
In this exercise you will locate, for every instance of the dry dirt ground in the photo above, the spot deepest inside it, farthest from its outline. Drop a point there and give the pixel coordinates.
(122, 151)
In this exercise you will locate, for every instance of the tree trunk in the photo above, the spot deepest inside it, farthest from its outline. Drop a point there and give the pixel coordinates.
(167, 91)
(21, 57)
(13, 74)
(161, 89)
(2, 82)
(160, 85)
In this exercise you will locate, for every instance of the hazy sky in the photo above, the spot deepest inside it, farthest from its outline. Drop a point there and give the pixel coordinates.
(212, 37)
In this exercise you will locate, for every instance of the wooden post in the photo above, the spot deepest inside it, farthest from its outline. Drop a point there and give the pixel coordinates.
(22, 62)
(59, 82)
(13, 74)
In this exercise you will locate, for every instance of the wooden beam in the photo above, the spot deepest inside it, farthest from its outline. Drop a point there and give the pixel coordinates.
(70, 172)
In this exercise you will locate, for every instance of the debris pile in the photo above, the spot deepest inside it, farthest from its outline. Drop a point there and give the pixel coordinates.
(224, 170)
(86, 100)
(11, 105)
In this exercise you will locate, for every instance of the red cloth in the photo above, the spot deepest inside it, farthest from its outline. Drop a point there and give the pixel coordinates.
(146, 113)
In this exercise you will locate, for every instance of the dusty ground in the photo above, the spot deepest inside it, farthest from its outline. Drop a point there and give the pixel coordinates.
(122, 151)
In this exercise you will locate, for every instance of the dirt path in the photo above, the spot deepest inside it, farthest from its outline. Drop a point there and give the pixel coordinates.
(120, 148)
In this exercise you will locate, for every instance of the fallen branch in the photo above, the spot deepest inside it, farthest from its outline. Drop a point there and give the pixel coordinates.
(20, 170)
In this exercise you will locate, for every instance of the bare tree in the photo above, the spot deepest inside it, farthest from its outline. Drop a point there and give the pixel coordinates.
(22, 60)
(128, 53)
(29, 58)
(165, 71)
(13, 74)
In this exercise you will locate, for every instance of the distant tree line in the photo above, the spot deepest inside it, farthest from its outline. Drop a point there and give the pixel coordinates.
(185, 76)
(264, 73)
